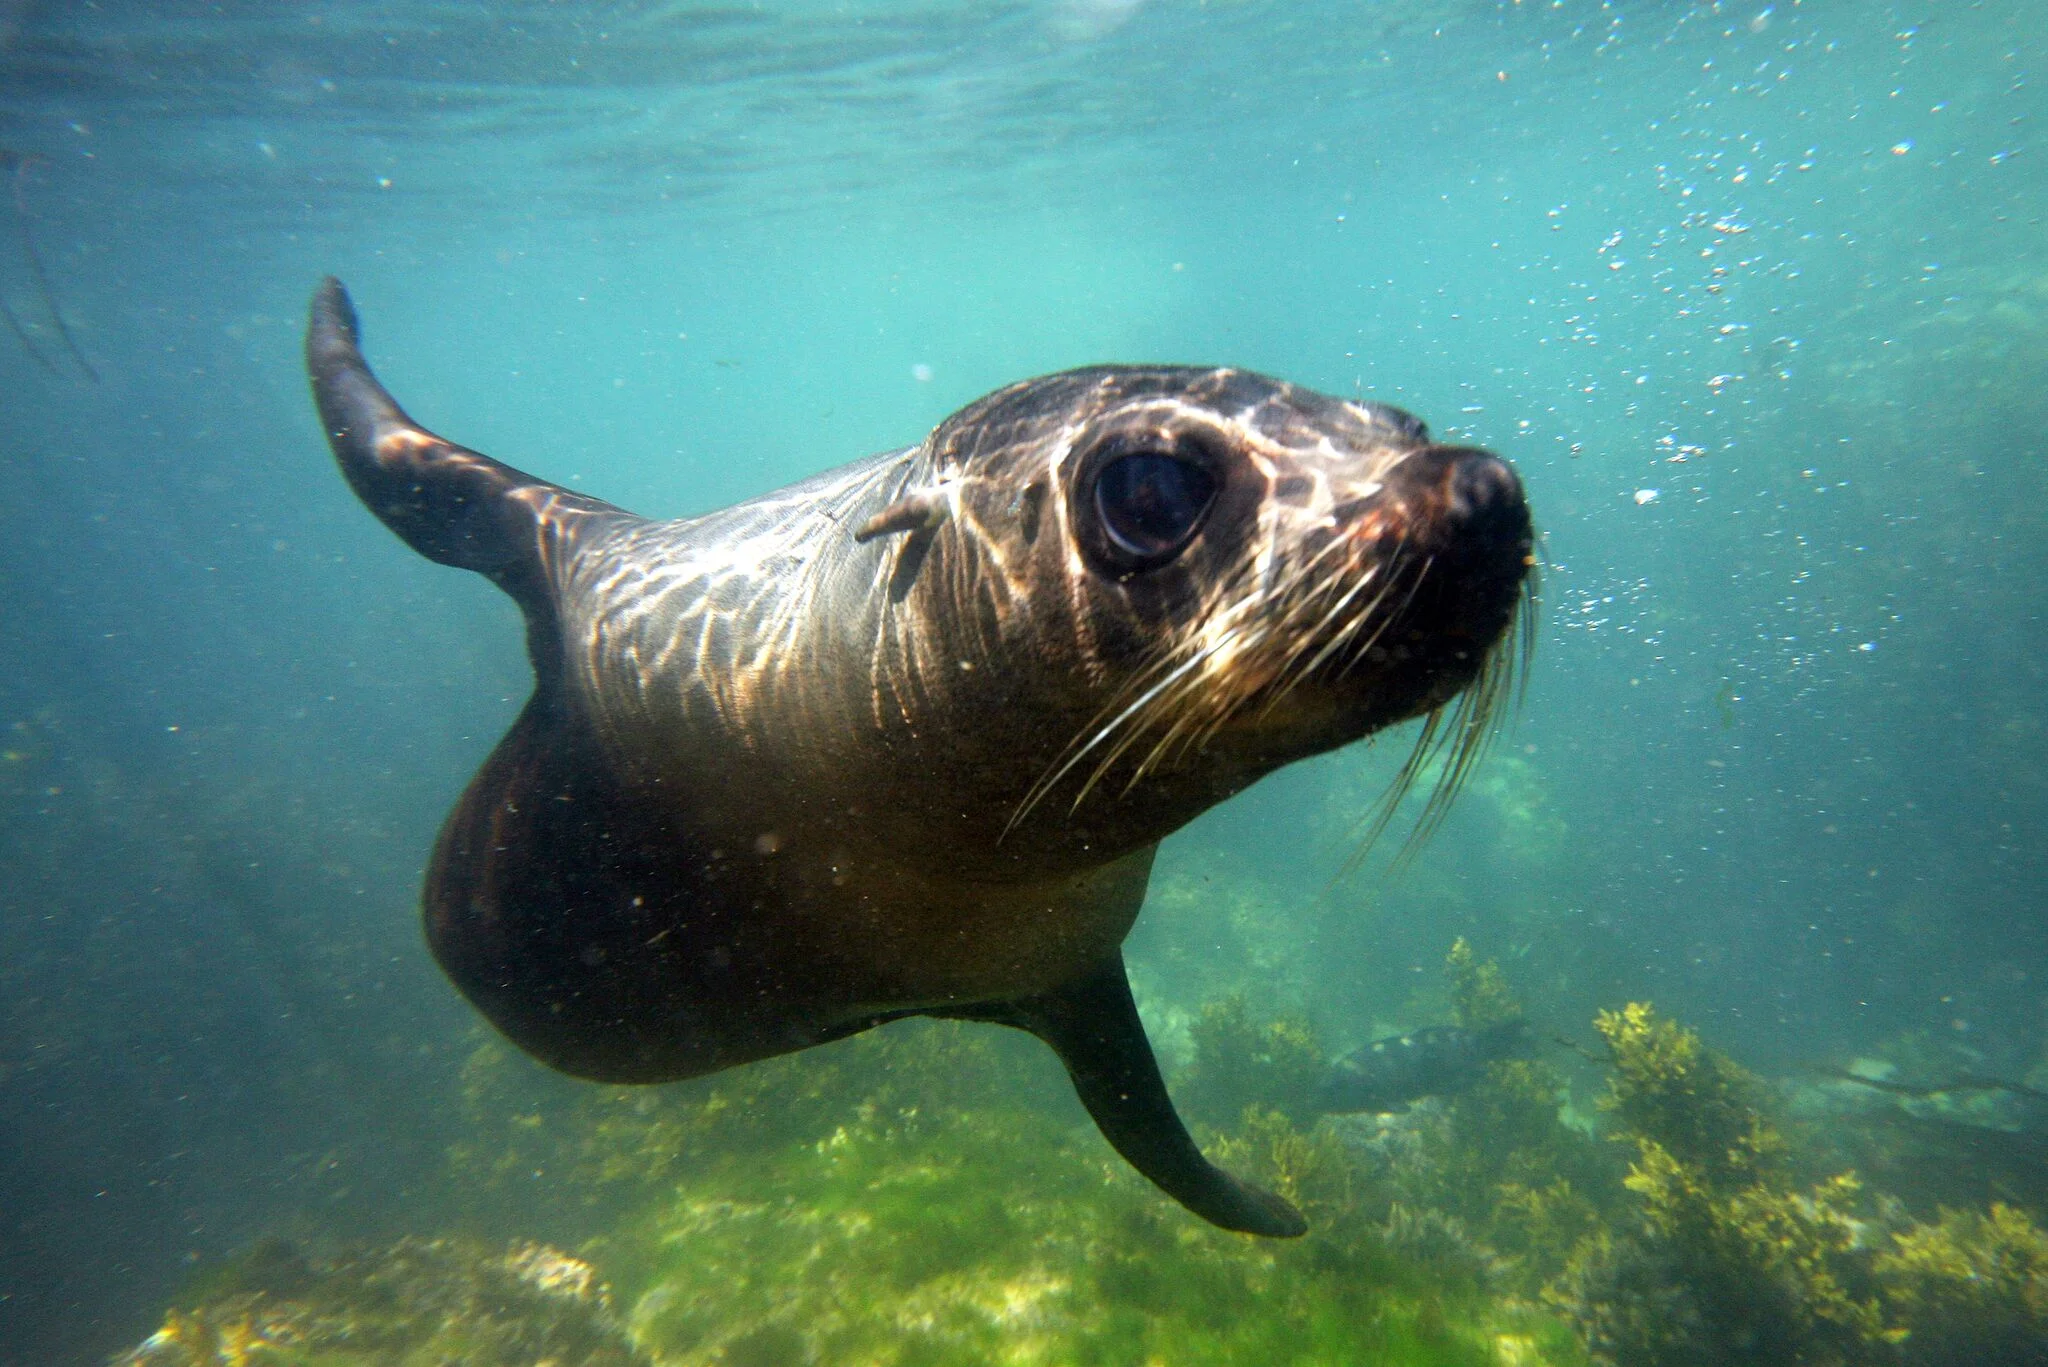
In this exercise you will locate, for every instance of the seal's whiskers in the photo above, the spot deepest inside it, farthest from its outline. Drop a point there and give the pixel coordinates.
(1172, 698)
(1201, 707)
(1077, 751)
(1456, 739)
(1369, 616)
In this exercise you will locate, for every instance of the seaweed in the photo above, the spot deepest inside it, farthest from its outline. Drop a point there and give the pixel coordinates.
(1480, 995)
(1443, 1243)
(902, 1198)
(1732, 1260)
(1499, 1157)
(1970, 1289)
(1241, 1064)
(920, 1197)
(1672, 1092)
(1729, 1261)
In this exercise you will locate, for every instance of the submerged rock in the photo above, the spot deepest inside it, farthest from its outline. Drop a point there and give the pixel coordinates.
(444, 1302)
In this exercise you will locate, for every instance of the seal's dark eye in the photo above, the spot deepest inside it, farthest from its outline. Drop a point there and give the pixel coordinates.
(1150, 503)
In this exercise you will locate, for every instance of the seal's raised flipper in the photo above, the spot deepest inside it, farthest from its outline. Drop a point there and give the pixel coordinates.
(449, 503)
(1093, 1025)
(524, 893)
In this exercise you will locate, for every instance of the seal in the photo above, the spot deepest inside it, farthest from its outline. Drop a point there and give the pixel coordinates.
(902, 738)
(1439, 1060)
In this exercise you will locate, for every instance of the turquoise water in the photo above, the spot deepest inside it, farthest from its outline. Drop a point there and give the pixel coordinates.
(1755, 298)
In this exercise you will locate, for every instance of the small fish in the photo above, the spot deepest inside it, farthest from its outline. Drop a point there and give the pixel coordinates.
(1433, 1062)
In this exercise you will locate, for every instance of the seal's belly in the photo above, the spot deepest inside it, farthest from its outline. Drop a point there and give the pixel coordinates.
(885, 940)
(843, 874)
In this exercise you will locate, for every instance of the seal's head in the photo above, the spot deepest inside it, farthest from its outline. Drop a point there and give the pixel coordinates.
(1246, 572)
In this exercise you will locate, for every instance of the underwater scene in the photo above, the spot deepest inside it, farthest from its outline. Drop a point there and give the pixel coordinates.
(1597, 914)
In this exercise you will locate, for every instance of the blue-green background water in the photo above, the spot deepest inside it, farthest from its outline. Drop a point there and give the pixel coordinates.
(1756, 298)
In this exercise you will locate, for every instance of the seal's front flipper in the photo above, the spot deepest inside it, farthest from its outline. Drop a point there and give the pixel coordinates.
(1093, 1025)
(449, 503)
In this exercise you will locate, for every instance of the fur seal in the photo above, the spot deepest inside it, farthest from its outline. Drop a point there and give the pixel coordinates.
(1439, 1060)
(903, 737)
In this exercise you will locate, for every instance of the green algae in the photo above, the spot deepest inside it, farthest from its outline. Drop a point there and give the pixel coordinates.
(1000, 1238)
(929, 1193)
(584, 1158)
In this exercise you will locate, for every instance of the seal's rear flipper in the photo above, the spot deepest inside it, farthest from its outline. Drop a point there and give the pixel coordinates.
(449, 503)
(1093, 1025)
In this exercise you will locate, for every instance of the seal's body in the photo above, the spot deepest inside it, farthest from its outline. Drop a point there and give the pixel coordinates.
(902, 738)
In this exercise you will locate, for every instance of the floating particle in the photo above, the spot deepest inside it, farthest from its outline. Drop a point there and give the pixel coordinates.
(1645, 497)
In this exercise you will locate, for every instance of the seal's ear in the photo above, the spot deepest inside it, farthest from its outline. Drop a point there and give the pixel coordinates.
(1093, 1025)
(448, 503)
(922, 511)
(919, 515)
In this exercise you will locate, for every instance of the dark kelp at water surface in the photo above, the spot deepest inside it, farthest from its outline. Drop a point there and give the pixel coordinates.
(902, 739)
(15, 166)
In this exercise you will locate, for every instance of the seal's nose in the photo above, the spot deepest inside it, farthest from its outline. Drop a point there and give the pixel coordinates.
(1460, 499)
(1465, 522)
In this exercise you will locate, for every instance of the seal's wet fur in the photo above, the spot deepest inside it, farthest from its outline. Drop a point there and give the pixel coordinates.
(902, 738)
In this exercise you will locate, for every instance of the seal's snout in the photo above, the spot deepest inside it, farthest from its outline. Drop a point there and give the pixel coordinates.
(1452, 528)
(1462, 497)
(1463, 513)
